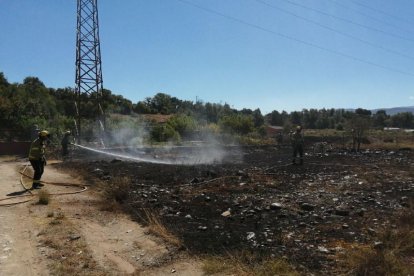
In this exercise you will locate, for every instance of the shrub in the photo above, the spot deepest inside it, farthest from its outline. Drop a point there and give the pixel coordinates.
(118, 189)
(164, 133)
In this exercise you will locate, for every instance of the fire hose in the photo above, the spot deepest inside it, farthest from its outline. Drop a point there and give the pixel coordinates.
(31, 196)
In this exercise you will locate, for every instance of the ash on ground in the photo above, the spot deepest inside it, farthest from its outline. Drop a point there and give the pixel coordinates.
(311, 214)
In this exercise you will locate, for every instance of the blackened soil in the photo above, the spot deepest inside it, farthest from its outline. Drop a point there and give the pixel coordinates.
(311, 214)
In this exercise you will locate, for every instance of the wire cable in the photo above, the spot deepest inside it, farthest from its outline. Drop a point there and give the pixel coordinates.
(349, 21)
(338, 53)
(335, 30)
(369, 16)
(382, 12)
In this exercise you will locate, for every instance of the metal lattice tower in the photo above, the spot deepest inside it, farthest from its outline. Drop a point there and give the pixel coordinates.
(88, 59)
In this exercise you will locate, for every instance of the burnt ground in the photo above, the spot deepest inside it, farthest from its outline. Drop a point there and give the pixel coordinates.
(311, 214)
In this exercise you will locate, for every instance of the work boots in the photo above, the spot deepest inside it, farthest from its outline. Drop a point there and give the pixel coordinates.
(37, 186)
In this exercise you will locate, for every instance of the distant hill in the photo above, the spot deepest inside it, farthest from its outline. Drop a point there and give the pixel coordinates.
(395, 110)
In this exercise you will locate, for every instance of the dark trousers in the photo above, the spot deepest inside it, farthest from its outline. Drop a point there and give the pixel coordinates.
(65, 150)
(298, 149)
(38, 167)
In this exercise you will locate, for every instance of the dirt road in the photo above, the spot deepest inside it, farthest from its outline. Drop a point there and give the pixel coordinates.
(47, 239)
(18, 251)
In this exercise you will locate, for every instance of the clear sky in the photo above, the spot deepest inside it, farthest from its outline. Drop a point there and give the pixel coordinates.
(267, 54)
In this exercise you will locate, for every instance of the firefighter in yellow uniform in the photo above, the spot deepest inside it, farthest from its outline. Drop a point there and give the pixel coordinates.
(37, 157)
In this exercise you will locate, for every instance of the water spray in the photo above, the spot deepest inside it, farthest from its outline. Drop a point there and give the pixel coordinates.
(144, 159)
(102, 128)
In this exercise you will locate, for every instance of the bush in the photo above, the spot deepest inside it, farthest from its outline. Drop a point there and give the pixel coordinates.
(118, 189)
(164, 133)
(339, 127)
(183, 124)
(237, 124)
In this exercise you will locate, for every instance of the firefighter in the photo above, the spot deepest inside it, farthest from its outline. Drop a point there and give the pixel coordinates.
(65, 142)
(297, 144)
(37, 157)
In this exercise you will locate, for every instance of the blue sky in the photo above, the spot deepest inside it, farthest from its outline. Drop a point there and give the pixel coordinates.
(267, 54)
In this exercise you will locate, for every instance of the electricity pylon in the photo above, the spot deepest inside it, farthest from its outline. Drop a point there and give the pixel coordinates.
(88, 60)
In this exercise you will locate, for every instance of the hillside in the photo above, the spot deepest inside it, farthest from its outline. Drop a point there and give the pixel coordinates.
(395, 110)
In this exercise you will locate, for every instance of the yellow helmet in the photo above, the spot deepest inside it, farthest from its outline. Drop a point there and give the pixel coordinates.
(43, 133)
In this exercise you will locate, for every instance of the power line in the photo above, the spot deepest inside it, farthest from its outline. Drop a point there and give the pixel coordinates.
(382, 12)
(294, 39)
(369, 16)
(349, 21)
(335, 30)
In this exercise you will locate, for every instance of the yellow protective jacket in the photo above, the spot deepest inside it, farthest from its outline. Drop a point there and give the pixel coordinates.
(37, 150)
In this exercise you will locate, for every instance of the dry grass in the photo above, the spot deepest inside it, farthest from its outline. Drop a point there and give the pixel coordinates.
(158, 229)
(244, 264)
(115, 192)
(117, 189)
(370, 261)
(378, 139)
(390, 146)
(67, 255)
(43, 197)
(108, 205)
(395, 254)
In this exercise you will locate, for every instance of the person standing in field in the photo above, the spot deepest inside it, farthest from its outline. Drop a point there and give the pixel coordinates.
(297, 140)
(37, 157)
(65, 143)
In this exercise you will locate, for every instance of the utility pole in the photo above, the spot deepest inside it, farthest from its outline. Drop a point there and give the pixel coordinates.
(88, 61)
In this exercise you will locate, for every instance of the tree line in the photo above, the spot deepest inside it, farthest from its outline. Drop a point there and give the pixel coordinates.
(24, 104)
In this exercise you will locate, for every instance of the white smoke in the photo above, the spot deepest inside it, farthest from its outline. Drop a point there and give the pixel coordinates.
(127, 138)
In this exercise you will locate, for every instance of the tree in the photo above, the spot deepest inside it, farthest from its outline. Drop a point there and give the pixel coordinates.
(65, 100)
(276, 118)
(363, 112)
(258, 118)
(310, 117)
(237, 123)
(183, 124)
(403, 120)
(358, 124)
(212, 112)
(164, 133)
(161, 103)
(295, 118)
(3, 81)
(141, 108)
(33, 83)
(379, 119)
